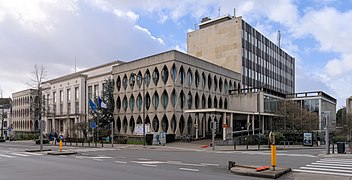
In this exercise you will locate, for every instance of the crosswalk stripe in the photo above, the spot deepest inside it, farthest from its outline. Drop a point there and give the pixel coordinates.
(333, 167)
(35, 154)
(327, 159)
(7, 156)
(330, 164)
(18, 154)
(325, 169)
(335, 162)
(321, 172)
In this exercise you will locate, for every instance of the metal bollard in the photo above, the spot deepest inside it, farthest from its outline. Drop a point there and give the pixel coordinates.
(333, 148)
(231, 165)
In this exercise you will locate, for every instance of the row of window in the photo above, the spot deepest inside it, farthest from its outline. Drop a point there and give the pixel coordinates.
(22, 125)
(20, 113)
(21, 101)
(176, 99)
(200, 80)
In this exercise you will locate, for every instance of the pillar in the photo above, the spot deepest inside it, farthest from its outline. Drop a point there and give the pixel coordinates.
(231, 124)
(253, 123)
(263, 124)
(197, 125)
(224, 127)
(248, 117)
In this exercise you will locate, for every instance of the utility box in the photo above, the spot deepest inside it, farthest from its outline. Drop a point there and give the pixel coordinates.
(341, 148)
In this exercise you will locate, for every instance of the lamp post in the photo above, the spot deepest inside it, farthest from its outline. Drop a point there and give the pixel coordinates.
(144, 102)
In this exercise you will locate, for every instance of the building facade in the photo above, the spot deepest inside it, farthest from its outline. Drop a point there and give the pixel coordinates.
(23, 119)
(349, 105)
(66, 98)
(6, 117)
(232, 43)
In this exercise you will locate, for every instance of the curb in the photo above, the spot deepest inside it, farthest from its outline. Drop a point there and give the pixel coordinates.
(62, 153)
(36, 150)
(263, 174)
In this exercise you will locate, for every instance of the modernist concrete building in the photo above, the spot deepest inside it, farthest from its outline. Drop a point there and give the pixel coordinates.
(232, 43)
(5, 117)
(23, 120)
(349, 105)
(66, 98)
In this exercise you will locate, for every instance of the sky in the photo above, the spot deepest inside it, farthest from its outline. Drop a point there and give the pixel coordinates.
(56, 33)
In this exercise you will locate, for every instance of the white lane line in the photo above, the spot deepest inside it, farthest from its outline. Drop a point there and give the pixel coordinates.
(63, 156)
(35, 154)
(320, 172)
(332, 159)
(120, 162)
(280, 154)
(18, 154)
(85, 154)
(325, 169)
(150, 165)
(144, 159)
(210, 164)
(7, 156)
(188, 169)
(332, 167)
(329, 164)
(98, 160)
(148, 162)
(101, 157)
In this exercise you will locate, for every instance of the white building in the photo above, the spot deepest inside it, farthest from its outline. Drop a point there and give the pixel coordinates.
(66, 98)
(5, 117)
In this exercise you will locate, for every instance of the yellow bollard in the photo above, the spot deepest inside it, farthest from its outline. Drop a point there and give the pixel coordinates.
(60, 145)
(273, 156)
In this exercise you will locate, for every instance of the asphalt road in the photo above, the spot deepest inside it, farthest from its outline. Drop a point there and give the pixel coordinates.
(126, 162)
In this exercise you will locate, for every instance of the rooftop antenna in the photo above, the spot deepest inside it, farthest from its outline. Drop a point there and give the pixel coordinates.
(278, 38)
(219, 12)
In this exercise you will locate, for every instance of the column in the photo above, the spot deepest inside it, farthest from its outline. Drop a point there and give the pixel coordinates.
(197, 125)
(263, 124)
(204, 123)
(248, 117)
(231, 124)
(224, 127)
(253, 123)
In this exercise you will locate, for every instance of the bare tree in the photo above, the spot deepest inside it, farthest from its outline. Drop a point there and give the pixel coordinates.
(37, 77)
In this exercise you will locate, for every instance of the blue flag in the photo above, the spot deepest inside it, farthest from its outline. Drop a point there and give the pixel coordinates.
(92, 105)
(101, 103)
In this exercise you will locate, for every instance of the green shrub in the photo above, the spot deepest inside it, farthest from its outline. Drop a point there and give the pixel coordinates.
(134, 141)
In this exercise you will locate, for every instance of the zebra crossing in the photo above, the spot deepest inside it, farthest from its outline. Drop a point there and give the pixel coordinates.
(18, 154)
(329, 166)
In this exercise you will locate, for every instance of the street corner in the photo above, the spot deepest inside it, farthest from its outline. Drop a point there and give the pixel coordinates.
(257, 171)
(57, 153)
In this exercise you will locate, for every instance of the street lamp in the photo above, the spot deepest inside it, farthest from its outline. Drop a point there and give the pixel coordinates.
(143, 121)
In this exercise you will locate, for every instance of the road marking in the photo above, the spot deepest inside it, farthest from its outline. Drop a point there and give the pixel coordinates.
(329, 164)
(148, 162)
(144, 159)
(150, 165)
(320, 172)
(85, 154)
(7, 156)
(63, 156)
(98, 160)
(333, 167)
(188, 149)
(335, 162)
(100, 157)
(325, 169)
(280, 154)
(35, 154)
(121, 162)
(209, 164)
(17, 154)
(335, 159)
(188, 169)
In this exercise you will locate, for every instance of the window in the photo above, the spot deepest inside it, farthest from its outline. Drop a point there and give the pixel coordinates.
(209, 102)
(156, 100)
(203, 80)
(68, 101)
(76, 100)
(182, 75)
(90, 92)
(164, 99)
(156, 124)
(132, 102)
(156, 76)
(147, 101)
(189, 100)
(196, 78)
(147, 78)
(139, 102)
(174, 73)
(164, 124)
(190, 77)
(124, 103)
(209, 82)
(96, 90)
(215, 83)
(182, 99)
(173, 98)
(118, 103)
(220, 85)
(118, 83)
(139, 79)
(196, 101)
(165, 74)
(203, 101)
(124, 82)
(132, 81)
(226, 87)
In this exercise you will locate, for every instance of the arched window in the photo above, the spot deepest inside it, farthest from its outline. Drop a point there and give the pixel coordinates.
(181, 124)
(132, 80)
(147, 78)
(203, 101)
(215, 102)
(190, 77)
(220, 103)
(125, 124)
(164, 99)
(215, 83)
(209, 82)
(155, 100)
(132, 124)
(139, 102)
(139, 120)
(203, 80)
(139, 79)
(131, 102)
(209, 102)
(226, 86)
(196, 78)
(230, 85)
(220, 84)
(164, 74)
(173, 98)
(196, 101)
(155, 76)
(118, 125)
(155, 124)
(118, 83)
(182, 99)
(225, 104)
(164, 124)
(118, 103)
(182, 75)
(173, 124)
(173, 73)
(124, 82)
(147, 101)
(124, 103)
(189, 100)
(189, 125)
